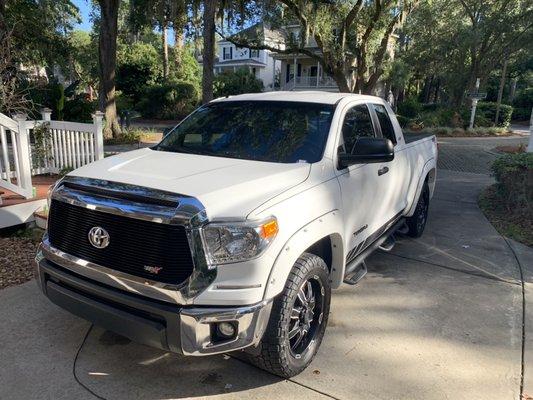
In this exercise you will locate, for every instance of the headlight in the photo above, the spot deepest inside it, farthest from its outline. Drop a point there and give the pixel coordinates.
(233, 242)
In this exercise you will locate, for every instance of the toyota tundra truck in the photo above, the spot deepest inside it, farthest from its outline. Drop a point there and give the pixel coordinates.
(231, 232)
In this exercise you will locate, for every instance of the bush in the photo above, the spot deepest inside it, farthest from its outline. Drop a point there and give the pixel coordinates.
(523, 104)
(169, 101)
(514, 187)
(79, 109)
(486, 112)
(231, 83)
(409, 108)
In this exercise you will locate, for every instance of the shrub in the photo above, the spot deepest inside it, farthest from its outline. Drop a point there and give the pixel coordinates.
(409, 108)
(79, 109)
(231, 83)
(512, 173)
(487, 113)
(169, 101)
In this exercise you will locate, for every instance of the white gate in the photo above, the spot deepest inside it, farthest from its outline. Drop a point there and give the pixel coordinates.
(61, 145)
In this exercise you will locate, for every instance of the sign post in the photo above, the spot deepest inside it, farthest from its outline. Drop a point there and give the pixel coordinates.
(530, 146)
(475, 96)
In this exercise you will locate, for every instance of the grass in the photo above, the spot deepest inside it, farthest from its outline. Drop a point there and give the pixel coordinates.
(516, 224)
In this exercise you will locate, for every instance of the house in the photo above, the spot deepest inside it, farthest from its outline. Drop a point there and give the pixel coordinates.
(259, 62)
(302, 72)
(290, 71)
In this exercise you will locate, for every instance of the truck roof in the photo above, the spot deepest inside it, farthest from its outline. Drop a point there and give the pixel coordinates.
(303, 96)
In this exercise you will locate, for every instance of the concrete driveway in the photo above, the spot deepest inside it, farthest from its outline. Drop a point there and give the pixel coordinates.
(437, 318)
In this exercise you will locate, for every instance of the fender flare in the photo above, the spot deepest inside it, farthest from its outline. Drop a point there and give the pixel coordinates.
(429, 171)
(324, 226)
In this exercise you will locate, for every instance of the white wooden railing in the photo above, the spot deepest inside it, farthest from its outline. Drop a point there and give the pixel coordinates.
(309, 82)
(65, 145)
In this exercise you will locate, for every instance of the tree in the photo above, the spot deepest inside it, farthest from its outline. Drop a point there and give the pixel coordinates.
(352, 36)
(452, 43)
(210, 9)
(107, 56)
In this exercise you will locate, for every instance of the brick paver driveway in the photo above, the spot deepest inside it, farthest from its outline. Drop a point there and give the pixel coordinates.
(472, 154)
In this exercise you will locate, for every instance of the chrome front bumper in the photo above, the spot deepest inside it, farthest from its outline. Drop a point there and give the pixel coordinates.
(181, 329)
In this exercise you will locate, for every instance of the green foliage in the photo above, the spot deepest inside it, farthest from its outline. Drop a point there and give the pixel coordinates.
(84, 57)
(513, 187)
(486, 113)
(138, 66)
(128, 136)
(458, 132)
(42, 150)
(169, 101)
(79, 109)
(57, 100)
(409, 108)
(188, 69)
(524, 99)
(231, 83)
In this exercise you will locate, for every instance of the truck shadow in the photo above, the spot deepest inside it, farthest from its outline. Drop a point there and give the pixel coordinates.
(113, 367)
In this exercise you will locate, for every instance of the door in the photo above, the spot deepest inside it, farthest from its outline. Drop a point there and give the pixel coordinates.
(361, 198)
(394, 181)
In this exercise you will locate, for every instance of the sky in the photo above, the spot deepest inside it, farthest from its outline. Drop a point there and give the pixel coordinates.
(85, 11)
(85, 14)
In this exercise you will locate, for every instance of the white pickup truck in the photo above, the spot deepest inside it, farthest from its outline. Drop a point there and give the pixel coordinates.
(231, 232)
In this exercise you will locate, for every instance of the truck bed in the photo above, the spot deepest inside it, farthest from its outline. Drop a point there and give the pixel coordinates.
(410, 137)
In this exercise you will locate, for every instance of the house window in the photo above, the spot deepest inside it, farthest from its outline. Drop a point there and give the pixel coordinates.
(227, 53)
(254, 53)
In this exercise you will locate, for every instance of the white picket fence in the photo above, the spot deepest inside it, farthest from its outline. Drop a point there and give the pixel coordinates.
(66, 145)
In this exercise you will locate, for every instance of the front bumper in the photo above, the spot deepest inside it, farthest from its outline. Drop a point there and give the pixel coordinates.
(180, 329)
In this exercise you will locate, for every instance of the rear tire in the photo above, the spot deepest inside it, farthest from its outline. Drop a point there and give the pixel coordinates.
(298, 320)
(417, 222)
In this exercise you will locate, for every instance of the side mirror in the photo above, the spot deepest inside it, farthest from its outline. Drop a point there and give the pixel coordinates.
(368, 150)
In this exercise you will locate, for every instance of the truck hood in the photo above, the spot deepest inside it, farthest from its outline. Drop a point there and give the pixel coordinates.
(227, 187)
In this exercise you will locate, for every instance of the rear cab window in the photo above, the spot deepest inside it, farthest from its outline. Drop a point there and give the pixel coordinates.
(387, 129)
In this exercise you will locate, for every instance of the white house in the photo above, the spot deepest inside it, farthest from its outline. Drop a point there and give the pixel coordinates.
(293, 71)
(301, 72)
(260, 62)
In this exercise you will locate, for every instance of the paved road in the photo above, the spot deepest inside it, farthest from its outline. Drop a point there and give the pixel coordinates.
(437, 318)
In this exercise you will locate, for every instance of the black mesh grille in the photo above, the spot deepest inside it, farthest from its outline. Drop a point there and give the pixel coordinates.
(133, 243)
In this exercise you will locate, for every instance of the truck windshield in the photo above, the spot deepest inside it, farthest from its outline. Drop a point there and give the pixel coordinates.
(274, 131)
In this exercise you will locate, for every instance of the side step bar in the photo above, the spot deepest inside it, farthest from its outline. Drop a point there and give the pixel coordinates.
(356, 269)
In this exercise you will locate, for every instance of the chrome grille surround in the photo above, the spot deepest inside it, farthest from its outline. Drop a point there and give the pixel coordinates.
(126, 200)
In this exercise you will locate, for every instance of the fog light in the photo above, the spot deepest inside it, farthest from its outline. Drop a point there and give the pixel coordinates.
(226, 330)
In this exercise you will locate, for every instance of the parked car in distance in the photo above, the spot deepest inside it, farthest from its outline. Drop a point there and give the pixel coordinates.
(231, 233)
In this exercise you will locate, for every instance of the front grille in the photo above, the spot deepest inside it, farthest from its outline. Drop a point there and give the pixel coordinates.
(133, 243)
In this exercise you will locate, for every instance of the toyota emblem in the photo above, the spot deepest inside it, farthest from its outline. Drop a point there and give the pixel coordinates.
(98, 237)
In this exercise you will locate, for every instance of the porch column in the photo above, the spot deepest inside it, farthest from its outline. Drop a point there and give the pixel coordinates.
(274, 75)
(295, 69)
(24, 155)
(317, 72)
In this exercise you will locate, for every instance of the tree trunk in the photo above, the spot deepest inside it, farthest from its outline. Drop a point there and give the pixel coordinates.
(208, 58)
(164, 45)
(107, 57)
(500, 91)
(178, 43)
(512, 91)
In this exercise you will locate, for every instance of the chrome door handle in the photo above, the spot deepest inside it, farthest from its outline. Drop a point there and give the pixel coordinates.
(383, 170)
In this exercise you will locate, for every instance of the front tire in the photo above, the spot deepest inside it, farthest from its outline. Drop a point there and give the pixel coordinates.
(298, 320)
(417, 222)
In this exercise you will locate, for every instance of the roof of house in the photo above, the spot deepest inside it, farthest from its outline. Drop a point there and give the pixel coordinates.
(247, 61)
(302, 96)
(259, 33)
